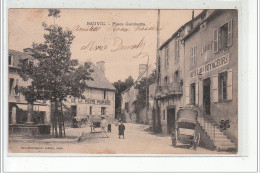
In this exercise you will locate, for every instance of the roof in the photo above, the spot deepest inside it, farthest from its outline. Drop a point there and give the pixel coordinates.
(99, 79)
(198, 25)
(180, 29)
(17, 55)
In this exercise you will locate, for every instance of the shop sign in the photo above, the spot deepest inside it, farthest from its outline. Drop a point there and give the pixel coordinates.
(97, 102)
(215, 64)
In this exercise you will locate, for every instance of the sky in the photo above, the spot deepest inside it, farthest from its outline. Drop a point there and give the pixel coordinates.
(122, 38)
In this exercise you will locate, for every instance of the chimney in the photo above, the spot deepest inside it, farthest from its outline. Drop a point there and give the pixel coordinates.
(101, 66)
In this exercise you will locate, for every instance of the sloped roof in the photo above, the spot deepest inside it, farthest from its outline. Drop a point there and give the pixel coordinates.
(17, 55)
(99, 79)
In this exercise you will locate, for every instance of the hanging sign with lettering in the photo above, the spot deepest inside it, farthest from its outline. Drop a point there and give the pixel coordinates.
(215, 64)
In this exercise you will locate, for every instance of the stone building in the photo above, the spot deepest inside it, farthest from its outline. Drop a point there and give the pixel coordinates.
(211, 73)
(99, 97)
(199, 65)
(127, 107)
(17, 105)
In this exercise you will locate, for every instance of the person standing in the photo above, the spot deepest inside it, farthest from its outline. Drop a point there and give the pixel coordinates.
(121, 130)
(109, 128)
(103, 126)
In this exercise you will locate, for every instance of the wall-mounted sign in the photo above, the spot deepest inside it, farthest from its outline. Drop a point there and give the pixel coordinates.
(216, 63)
(97, 102)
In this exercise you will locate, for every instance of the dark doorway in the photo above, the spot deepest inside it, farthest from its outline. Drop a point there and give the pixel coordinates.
(73, 111)
(170, 120)
(206, 96)
(192, 93)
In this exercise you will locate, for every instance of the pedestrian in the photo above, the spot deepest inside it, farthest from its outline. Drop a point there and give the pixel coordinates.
(109, 128)
(121, 130)
(103, 125)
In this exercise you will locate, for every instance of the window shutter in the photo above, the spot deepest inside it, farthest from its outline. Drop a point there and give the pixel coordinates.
(215, 88)
(195, 54)
(230, 28)
(215, 38)
(191, 55)
(229, 85)
(187, 92)
(197, 93)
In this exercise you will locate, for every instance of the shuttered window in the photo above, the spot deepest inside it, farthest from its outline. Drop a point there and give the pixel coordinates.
(230, 28)
(215, 40)
(223, 86)
(229, 85)
(215, 88)
(187, 91)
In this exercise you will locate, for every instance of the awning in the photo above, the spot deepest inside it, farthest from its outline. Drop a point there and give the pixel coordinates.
(23, 107)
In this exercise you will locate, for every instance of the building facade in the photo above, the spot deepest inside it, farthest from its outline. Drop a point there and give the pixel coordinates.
(198, 65)
(169, 92)
(98, 99)
(211, 68)
(128, 98)
(18, 106)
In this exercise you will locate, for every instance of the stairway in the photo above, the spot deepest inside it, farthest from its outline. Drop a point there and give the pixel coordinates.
(219, 138)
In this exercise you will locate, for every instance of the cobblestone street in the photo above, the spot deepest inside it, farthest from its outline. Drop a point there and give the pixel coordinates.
(138, 140)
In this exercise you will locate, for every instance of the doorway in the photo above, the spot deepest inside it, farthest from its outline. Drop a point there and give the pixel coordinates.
(73, 111)
(170, 120)
(206, 96)
(192, 93)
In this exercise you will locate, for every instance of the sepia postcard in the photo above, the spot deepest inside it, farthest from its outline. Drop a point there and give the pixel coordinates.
(114, 81)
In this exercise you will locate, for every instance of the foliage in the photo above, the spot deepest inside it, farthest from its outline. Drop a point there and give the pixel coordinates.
(52, 74)
(142, 97)
(120, 87)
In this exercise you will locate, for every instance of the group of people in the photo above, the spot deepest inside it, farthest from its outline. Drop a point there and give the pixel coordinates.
(106, 127)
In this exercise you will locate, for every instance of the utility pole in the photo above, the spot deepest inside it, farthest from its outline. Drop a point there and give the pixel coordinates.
(157, 118)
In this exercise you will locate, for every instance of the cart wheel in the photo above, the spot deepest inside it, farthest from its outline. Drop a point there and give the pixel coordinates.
(174, 141)
(196, 141)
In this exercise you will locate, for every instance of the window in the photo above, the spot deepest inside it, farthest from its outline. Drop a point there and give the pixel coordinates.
(163, 114)
(166, 81)
(103, 111)
(223, 36)
(11, 86)
(127, 107)
(177, 76)
(194, 55)
(105, 94)
(90, 110)
(16, 88)
(10, 59)
(166, 57)
(223, 86)
(177, 49)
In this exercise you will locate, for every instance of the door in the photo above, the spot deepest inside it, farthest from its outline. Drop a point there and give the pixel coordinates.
(73, 111)
(170, 120)
(192, 93)
(206, 96)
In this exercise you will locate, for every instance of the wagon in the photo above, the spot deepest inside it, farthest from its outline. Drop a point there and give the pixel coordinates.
(186, 128)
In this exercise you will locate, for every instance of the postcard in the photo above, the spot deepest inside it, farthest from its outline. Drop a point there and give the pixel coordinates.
(114, 81)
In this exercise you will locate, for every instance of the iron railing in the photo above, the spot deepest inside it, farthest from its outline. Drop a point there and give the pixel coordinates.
(171, 88)
(207, 122)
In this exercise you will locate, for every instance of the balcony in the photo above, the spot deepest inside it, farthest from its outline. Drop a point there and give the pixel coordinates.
(170, 89)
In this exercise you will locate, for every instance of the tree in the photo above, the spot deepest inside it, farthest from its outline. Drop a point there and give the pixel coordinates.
(120, 87)
(53, 74)
(143, 91)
